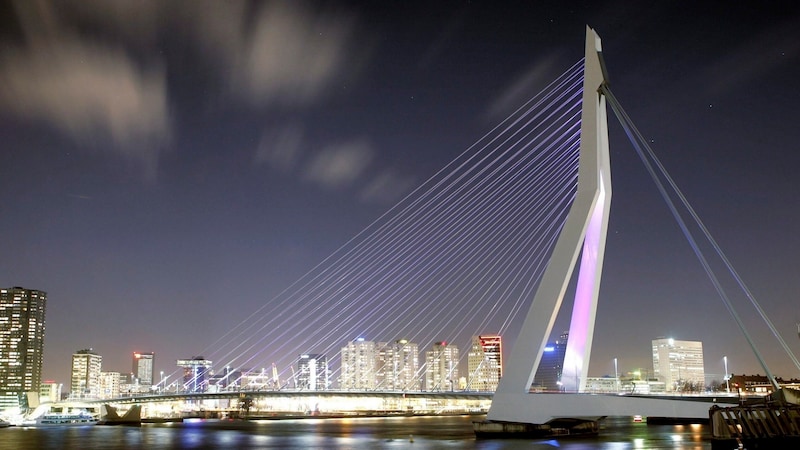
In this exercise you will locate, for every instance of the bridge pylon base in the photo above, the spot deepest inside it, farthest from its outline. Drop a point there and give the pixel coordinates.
(516, 430)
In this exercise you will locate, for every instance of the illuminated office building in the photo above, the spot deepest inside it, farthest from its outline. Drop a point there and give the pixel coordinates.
(441, 367)
(398, 366)
(551, 366)
(142, 368)
(312, 372)
(196, 373)
(49, 391)
(679, 364)
(358, 370)
(85, 377)
(485, 363)
(21, 343)
(110, 383)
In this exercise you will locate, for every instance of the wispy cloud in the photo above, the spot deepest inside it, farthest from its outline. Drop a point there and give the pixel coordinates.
(339, 165)
(770, 50)
(386, 187)
(96, 94)
(290, 55)
(281, 148)
(265, 52)
(107, 94)
(524, 86)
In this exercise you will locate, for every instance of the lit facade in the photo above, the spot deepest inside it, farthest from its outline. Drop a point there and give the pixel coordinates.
(49, 391)
(85, 377)
(313, 372)
(142, 367)
(358, 371)
(441, 367)
(398, 366)
(485, 363)
(110, 383)
(679, 364)
(551, 366)
(196, 372)
(257, 380)
(22, 329)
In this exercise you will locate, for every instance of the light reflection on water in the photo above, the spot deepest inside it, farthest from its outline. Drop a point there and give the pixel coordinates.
(380, 433)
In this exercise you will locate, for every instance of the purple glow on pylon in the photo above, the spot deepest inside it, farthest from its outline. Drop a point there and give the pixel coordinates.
(584, 307)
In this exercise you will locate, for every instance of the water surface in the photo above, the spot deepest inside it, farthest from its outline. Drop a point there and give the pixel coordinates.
(420, 433)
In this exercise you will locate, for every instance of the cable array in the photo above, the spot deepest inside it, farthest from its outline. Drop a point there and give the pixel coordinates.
(459, 256)
(662, 180)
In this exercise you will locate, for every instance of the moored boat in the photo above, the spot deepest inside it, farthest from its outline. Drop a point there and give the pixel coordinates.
(81, 418)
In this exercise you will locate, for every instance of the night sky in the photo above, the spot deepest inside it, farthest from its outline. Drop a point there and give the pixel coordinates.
(169, 166)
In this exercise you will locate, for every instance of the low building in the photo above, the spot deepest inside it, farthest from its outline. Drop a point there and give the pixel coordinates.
(109, 384)
(50, 392)
(758, 384)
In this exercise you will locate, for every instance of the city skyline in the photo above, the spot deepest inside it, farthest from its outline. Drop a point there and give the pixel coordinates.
(391, 366)
(160, 226)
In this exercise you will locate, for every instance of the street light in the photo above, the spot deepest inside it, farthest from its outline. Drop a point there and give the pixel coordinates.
(727, 376)
(616, 376)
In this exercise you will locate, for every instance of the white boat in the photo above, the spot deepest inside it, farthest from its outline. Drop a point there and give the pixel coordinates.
(65, 419)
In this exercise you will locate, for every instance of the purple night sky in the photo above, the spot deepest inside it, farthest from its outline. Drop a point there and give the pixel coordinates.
(168, 166)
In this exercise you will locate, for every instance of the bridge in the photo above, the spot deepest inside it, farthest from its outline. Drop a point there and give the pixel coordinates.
(292, 403)
(504, 223)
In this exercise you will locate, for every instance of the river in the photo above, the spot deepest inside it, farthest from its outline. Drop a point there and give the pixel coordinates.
(419, 433)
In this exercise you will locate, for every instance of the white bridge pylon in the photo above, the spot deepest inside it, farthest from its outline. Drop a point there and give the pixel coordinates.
(585, 229)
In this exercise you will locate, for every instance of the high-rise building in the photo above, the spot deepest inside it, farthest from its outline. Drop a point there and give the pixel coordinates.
(195, 373)
(551, 366)
(679, 364)
(85, 378)
(21, 343)
(485, 363)
(398, 366)
(142, 368)
(312, 372)
(441, 367)
(358, 359)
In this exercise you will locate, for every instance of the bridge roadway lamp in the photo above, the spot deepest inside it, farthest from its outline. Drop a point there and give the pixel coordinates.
(727, 375)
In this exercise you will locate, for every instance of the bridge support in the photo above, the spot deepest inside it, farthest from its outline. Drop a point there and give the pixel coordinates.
(585, 229)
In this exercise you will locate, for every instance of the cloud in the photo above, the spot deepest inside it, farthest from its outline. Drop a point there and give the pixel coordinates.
(265, 53)
(95, 94)
(525, 86)
(742, 65)
(386, 187)
(335, 167)
(339, 165)
(280, 148)
(290, 55)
